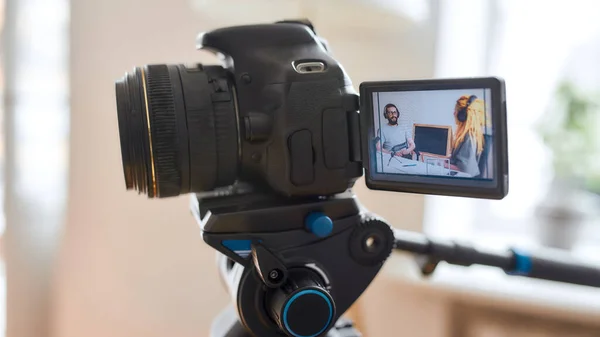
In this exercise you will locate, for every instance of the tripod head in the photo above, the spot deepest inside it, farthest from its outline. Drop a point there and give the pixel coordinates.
(293, 265)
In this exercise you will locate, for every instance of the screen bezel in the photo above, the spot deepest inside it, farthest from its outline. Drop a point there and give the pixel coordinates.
(496, 188)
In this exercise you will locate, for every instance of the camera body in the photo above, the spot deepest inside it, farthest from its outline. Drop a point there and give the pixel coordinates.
(297, 110)
(281, 115)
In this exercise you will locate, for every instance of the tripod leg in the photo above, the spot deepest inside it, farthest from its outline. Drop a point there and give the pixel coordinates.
(344, 328)
(392, 157)
(227, 325)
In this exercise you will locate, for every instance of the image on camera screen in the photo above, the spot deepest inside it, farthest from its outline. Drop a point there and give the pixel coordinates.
(434, 133)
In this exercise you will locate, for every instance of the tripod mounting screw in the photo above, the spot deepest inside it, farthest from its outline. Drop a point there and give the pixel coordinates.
(319, 224)
(275, 274)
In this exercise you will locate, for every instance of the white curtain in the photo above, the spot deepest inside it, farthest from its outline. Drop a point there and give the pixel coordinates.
(36, 117)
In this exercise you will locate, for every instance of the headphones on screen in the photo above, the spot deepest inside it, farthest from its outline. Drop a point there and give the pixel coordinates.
(462, 113)
(389, 105)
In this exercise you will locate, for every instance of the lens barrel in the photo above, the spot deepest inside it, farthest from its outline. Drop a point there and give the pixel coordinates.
(178, 129)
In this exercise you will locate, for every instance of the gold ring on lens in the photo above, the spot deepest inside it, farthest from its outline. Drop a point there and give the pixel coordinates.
(154, 190)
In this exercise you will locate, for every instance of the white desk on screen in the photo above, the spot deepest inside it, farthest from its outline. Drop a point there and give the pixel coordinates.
(414, 167)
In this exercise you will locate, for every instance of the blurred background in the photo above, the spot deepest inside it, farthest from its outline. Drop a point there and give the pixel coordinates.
(83, 257)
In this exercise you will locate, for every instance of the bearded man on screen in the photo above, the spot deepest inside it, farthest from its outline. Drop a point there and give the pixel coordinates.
(396, 135)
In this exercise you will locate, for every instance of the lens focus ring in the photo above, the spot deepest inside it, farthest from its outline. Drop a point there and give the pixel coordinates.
(165, 145)
(178, 130)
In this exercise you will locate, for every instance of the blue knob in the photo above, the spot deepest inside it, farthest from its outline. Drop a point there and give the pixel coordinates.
(308, 313)
(319, 224)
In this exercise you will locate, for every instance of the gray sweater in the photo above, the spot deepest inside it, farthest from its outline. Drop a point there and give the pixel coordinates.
(465, 157)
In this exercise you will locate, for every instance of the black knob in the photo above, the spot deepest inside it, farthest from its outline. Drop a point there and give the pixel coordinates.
(372, 242)
(258, 126)
(302, 307)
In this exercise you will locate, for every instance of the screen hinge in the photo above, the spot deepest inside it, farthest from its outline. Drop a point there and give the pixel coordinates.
(351, 106)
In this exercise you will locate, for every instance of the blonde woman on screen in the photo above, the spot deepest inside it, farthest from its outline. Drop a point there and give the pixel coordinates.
(468, 140)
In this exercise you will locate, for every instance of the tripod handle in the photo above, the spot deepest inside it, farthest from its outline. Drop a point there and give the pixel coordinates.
(555, 267)
(547, 266)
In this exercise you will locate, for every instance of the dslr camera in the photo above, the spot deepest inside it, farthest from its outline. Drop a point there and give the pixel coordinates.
(270, 143)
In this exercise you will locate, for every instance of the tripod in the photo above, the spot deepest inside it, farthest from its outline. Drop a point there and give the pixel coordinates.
(395, 150)
(295, 265)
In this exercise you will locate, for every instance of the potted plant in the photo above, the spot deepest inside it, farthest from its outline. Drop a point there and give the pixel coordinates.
(571, 131)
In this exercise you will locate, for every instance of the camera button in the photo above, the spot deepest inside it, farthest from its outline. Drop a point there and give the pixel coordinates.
(301, 157)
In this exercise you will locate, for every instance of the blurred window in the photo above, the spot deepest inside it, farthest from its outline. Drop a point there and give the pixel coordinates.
(2, 167)
(34, 145)
(529, 44)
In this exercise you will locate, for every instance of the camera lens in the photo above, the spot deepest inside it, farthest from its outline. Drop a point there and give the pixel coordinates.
(178, 129)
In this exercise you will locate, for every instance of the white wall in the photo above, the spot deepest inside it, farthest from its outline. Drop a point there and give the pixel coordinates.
(136, 267)
(426, 107)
